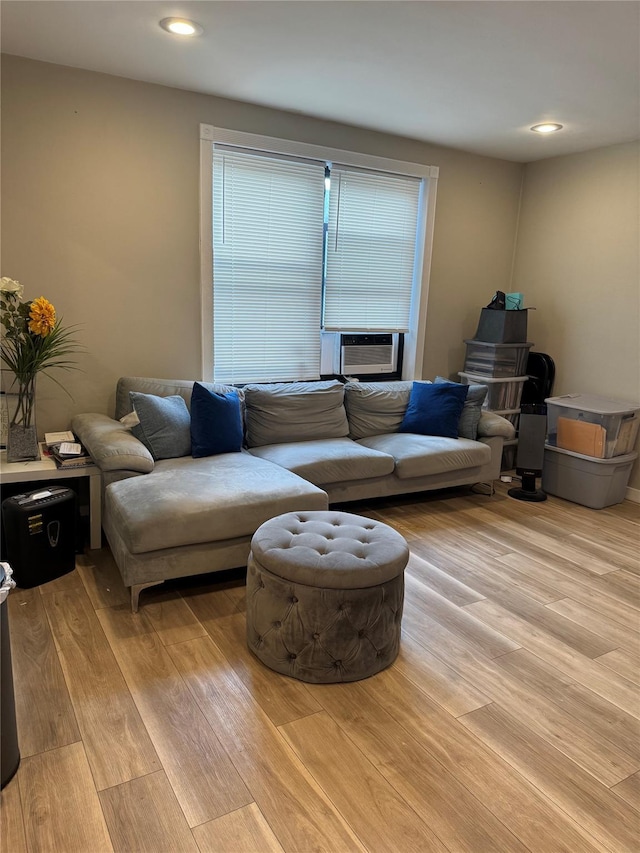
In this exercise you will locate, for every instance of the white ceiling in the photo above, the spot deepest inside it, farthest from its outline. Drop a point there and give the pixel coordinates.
(470, 75)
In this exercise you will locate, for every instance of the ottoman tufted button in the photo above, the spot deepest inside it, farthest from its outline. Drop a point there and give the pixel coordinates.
(277, 624)
(316, 636)
(361, 633)
(337, 663)
(292, 656)
(293, 599)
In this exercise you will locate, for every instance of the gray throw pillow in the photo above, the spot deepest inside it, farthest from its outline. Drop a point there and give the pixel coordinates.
(468, 424)
(165, 424)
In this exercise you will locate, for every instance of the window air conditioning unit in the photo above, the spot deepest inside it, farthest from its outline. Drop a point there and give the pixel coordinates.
(362, 353)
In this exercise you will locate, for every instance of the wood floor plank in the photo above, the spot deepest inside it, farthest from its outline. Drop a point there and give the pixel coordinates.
(116, 742)
(590, 673)
(606, 816)
(490, 642)
(599, 756)
(624, 662)
(573, 584)
(60, 803)
(44, 711)
(592, 550)
(282, 698)
(532, 817)
(378, 814)
(629, 790)
(143, 815)
(489, 577)
(626, 584)
(445, 585)
(547, 551)
(199, 770)
(242, 831)
(443, 684)
(618, 552)
(459, 820)
(613, 632)
(609, 536)
(604, 719)
(627, 510)
(172, 618)
(12, 834)
(296, 808)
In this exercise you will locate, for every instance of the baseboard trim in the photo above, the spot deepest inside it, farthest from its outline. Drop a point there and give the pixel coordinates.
(633, 495)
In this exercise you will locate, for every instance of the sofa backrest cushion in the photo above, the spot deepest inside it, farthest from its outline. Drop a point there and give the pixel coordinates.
(163, 388)
(216, 422)
(468, 424)
(164, 424)
(294, 411)
(376, 408)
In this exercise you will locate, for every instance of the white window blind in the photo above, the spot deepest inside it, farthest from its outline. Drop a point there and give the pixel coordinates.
(267, 264)
(371, 244)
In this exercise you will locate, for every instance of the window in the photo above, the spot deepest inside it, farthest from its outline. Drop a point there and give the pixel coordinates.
(372, 233)
(296, 239)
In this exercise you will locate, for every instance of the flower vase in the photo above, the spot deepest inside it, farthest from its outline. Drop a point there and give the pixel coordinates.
(22, 437)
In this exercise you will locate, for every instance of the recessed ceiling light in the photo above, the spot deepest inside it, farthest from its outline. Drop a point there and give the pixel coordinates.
(181, 27)
(547, 127)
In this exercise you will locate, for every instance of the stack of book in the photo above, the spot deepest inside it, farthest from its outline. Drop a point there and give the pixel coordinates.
(65, 450)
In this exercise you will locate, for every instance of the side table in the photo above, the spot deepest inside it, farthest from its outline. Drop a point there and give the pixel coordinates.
(46, 469)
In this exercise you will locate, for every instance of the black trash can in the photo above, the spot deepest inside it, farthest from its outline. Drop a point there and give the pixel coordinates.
(9, 752)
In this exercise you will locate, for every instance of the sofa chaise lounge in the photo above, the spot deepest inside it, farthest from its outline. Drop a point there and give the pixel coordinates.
(307, 444)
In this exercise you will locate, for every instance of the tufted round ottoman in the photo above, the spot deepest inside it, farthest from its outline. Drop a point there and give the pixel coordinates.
(324, 595)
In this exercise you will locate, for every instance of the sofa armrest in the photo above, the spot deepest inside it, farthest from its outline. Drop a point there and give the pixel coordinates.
(111, 445)
(491, 424)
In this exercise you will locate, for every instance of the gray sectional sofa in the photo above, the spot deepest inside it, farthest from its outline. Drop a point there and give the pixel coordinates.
(306, 445)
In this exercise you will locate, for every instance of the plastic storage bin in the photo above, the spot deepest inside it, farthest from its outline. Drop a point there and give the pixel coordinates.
(593, 426)
(501, 327)
(595, 483)
(502, 394)
(499, 360)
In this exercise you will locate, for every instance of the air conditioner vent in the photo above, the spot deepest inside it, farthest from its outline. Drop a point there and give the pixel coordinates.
(367, 355)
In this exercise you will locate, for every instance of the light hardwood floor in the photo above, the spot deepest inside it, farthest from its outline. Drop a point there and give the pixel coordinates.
(509, 721)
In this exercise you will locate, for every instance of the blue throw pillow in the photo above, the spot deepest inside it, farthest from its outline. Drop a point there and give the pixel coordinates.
(216, 422)
(470, 417)
(434, 409)
(164, 424)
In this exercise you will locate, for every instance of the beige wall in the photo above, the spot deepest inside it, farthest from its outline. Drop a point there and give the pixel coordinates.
(100, 183)
(577, 261)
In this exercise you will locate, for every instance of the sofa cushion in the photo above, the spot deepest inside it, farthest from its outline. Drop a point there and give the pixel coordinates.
(294, 411)
(376, 408)
(163, 424)
(434, 409)
(421, 455)
(330, 460)
(216, 422)
(111, 445)
(468, 423)
(163, 388)
(188, 501)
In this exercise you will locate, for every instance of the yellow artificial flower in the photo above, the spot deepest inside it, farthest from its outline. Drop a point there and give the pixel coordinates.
(42, 317)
